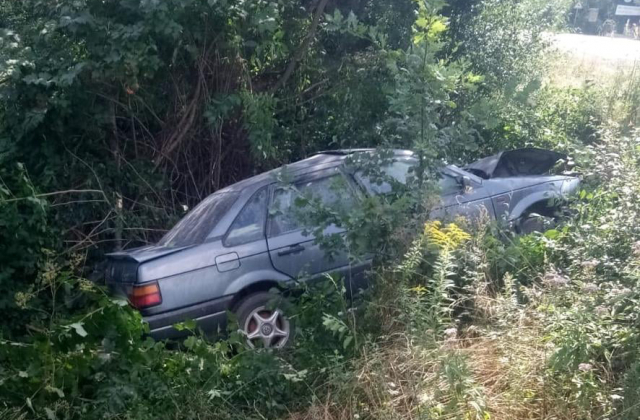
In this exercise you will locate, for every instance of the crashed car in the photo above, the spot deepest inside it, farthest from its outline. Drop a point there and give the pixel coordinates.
(517, 163)
(232, 249)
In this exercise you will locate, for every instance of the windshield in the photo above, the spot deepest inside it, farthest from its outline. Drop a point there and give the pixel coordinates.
(194, 228)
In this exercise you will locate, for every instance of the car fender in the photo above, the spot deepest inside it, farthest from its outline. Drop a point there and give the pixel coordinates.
(255, 277)
(530, 199)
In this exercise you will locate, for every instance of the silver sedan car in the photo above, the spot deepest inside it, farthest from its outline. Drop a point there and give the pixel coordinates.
(233, 248)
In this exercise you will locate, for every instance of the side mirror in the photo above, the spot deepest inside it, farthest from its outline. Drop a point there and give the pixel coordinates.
(465, 182)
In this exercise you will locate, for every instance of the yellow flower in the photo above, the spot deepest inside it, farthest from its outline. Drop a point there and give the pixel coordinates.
(419, 290)
(449, 237)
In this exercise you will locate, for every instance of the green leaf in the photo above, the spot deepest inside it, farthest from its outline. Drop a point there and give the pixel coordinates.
(55, 390)
(120, 302)
(437, 28)
(552, 234)
(190, 324)
(79, 329)
(422, 22)
(191, 342)
(214, 393)
(51, 415)
(347, 341)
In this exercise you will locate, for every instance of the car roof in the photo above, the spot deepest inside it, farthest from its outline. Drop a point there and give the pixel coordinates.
(321, 160)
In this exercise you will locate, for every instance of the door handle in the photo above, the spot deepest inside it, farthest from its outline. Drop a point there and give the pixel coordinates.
(293, 249)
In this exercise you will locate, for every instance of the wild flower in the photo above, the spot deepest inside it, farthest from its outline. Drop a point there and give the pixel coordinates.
(590, 288)
(419, 290)
(555, 280)
(451, 333)
(449, 237)
(636, 248)
(585, 367)
(590, 264)
(620, 291)
(601, 310)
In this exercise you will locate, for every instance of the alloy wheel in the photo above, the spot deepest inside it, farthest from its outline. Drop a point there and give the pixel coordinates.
(269, 327)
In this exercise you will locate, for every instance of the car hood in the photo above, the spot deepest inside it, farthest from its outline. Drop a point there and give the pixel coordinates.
(562, 185)
(146, 253)
(516, 163)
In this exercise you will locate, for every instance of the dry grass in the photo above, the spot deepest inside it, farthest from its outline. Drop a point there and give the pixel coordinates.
(501, 365)
(510, 367)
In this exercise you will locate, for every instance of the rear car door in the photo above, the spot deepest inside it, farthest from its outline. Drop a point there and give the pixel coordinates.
(245, 241)
(292, 208)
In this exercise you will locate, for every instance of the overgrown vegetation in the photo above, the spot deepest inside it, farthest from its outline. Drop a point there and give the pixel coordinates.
(117, 116)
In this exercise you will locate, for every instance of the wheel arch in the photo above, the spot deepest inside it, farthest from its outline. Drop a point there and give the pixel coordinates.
(539, 202)
(261, 281)
(259, 286)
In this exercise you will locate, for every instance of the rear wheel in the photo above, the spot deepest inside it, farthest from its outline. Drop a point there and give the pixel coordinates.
(263, 322)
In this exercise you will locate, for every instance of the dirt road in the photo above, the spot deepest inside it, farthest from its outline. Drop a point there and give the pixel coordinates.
(593, 58)
(599, 48)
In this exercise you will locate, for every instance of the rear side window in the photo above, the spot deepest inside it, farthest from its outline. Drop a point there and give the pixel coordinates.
(290, 204)
(194, 228)
(249, 225)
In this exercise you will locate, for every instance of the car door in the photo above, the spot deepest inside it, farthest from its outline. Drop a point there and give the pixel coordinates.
(472, 201)
(246, 238)
(291, 244)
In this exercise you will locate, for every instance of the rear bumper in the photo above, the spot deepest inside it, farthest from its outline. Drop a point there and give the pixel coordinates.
(210, 317)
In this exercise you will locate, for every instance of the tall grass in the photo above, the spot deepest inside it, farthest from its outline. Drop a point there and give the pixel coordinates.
(538, 327)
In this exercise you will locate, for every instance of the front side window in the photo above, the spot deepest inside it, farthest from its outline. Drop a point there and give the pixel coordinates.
(291, 205)
(249, 225)
(194, 228)
(397, 171)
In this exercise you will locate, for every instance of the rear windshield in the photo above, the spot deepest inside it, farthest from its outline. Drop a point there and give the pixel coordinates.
(194, 228)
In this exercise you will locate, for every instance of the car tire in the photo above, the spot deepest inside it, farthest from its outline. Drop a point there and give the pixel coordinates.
(263, 322)
(533, 222)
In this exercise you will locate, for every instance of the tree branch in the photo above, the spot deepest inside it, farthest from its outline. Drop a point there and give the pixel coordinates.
(303, 47)
(10, 200)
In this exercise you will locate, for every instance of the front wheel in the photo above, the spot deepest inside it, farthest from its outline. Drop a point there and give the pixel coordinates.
(533, 222)
(263, 322)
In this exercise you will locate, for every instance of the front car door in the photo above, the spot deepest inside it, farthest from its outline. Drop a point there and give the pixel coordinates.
(471, 201)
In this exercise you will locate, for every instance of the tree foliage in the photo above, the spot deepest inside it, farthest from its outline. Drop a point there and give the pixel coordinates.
(118, 116)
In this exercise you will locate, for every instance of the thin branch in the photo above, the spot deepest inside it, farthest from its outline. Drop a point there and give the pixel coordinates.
(52, 194)
(183, 126)
(95, 175)
(126, 108)
(87, 238)
(146, 183)
(68, 203)
(303, 47)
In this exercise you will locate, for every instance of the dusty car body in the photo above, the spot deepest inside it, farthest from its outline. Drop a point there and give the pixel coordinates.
(232, 248)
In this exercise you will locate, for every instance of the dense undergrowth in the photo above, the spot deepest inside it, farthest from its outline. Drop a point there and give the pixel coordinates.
(536, 327)
(462, 321)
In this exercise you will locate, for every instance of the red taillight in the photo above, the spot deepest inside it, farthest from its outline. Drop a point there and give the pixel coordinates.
(145, 296)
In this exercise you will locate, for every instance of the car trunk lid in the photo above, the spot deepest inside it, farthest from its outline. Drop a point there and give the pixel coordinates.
(122, 267)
